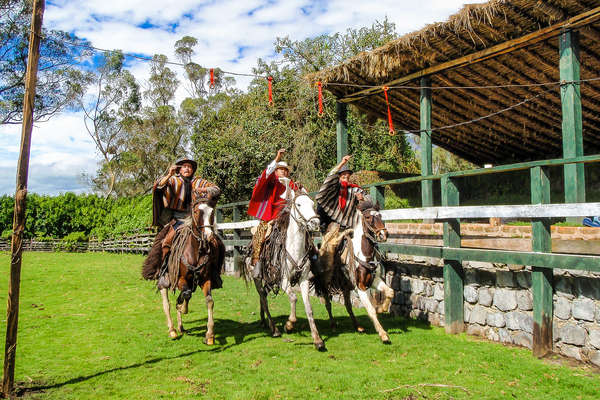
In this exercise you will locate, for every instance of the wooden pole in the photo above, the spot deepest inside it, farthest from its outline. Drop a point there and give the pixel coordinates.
(425, 144)
(12, 318)
(572, 131)
(342, 130)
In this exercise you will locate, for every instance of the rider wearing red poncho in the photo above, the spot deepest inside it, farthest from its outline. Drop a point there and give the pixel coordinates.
(268, 199)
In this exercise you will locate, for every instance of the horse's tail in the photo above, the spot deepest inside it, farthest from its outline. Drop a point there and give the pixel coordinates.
(153, 261)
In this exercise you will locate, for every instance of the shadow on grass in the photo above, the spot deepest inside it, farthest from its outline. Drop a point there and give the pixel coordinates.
(239, 331)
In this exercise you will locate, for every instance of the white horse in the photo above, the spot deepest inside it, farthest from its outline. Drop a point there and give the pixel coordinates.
(293, 263)
(368, 230)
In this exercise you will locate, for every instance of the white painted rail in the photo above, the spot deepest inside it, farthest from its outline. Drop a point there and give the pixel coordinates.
(511, 211)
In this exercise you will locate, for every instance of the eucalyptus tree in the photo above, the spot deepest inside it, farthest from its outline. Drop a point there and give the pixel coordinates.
(59, 80)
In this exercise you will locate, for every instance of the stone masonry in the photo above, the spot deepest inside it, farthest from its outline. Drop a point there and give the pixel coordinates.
(498, 303)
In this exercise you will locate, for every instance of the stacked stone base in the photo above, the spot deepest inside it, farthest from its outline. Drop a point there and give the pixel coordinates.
(498, 303)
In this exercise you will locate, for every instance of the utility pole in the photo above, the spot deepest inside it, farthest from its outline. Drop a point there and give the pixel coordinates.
(12, 317)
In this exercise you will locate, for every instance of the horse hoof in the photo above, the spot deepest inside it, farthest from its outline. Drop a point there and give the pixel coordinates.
(276, 333)
(182, 308)
(385, 339)
(182, 330)
(289, 326)
(209, 341)
(320, 346)
(360, 329)
(172, 334)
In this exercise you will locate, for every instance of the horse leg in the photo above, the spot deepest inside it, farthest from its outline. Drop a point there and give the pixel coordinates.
(388, 292)
(289, 325)
(309, 314)
(328, 308)
(348, 305)
(210, 324)
(364, 299)
(167, 309)
(264, 306)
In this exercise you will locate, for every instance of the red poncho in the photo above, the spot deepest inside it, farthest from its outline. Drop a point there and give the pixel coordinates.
(266, 202)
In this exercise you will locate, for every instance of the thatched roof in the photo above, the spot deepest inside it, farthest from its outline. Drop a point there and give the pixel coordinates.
(531, 131)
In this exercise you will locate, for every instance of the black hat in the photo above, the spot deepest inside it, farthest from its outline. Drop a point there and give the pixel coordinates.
(187, 160)
(344, 168)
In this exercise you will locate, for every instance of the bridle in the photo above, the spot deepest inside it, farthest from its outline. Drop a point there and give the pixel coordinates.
(302, 221)
(369, 231)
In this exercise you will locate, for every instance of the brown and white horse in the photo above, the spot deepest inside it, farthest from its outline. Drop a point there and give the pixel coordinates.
(356, 268)
(196, 258)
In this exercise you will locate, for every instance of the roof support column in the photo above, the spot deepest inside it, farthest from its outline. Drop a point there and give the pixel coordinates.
(570, 96)
(341, 112)
(425, 143)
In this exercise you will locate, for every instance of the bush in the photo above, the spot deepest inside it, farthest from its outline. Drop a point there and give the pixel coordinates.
(78, 237)
(6, 234)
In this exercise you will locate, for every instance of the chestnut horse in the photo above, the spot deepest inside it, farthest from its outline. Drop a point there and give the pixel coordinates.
(196, 259)
(354, 267)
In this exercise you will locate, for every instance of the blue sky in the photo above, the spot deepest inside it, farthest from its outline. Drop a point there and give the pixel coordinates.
(232, 34)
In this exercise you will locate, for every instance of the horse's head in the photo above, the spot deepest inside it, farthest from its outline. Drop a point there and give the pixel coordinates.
(372, 222)
(203, 209)
(303, 211)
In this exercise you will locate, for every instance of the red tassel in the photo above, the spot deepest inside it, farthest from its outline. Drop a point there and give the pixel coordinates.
(212, 78)
(390, 123)
(270, 78)
(320, 86)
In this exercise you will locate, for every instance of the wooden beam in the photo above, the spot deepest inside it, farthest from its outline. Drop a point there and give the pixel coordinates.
(494, 51)
(12, 317)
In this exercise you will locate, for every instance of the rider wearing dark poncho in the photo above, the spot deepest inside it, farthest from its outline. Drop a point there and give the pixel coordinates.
(337, 199)
(171, 198)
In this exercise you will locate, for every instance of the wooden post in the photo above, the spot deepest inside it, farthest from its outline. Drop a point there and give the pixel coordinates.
(453, 272)
(342, 130)
(219, 215)
(541, 278)
(378, 195)
(237, 235)
(570, 97)
(12, 317)
(425, 144)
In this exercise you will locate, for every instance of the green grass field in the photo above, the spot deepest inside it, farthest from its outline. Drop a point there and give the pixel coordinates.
(89, 327)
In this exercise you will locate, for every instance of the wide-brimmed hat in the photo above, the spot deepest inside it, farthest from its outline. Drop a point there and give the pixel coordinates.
(187, 160)
(344, 168)
(282, 164)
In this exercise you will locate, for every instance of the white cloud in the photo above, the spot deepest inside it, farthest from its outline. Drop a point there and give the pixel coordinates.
(61, 149)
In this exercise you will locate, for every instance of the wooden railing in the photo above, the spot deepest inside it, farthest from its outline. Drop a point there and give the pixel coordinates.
(540, 211)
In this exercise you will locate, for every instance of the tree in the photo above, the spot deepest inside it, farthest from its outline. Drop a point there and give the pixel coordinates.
(58, 74)
(235, 141)
(116, 99)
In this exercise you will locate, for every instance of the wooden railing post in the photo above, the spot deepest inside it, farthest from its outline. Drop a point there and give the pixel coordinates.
(237, 235)
(378, 195)
(453, 272)
(541, 278)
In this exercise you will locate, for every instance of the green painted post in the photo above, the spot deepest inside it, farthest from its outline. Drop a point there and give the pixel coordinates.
(453, 272)
(541, 278)
(219, 215)
(237, 257)
(378, 195)
(342, 130)
(570, 97)
(425, 143)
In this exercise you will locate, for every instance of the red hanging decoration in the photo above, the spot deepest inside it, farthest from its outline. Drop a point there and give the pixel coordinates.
(390, 123)
(212, 78)
(270, 78)
(320, 86)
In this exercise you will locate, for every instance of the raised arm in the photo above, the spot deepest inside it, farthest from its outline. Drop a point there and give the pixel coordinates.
(172, 171)
(271, 166)
(345, 159)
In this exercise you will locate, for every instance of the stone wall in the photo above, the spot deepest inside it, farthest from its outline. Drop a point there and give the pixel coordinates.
(498, 303)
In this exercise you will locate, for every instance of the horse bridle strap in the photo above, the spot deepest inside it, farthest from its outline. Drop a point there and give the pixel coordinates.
(303, 220)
